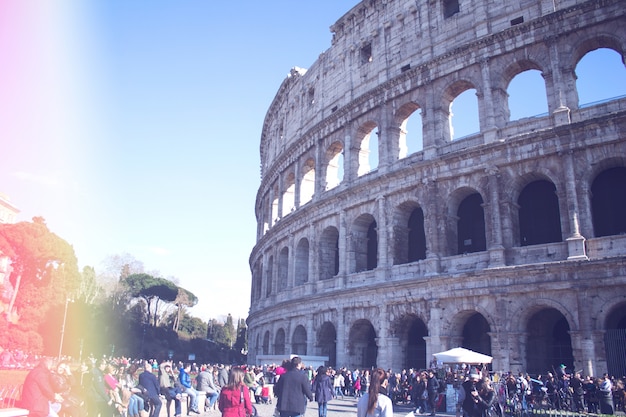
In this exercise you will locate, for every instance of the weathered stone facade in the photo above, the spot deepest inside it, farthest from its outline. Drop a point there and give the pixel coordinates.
(457, 243)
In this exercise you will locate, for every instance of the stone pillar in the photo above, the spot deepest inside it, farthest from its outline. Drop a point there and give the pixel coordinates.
(291, 262)
(383, 247)
(281, 193)
(349, 155)
(557, 97)
(297, 183)
(343, 244)
(310, 336)
(314, 274)
(342, 339)
(320, 180)
(431, 228)
(496, 250)
(486, 105)
(575, 241)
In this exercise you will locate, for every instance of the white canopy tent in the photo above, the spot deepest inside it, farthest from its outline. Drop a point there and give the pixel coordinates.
(462, 355)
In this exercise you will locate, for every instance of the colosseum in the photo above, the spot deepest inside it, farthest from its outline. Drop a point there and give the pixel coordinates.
(384, 237)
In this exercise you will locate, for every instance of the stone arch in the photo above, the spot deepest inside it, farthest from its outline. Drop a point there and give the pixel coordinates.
(411, 331)
(279, 342)
(289, 193)
(307, 183)
(327, 342)
(266, 343)
(409, 142)
(539, 214)
(333, 165)
(608, 202)
(476, 319)
(329, 253)
(548, 341)
(588, 43)
(523, 68)
(615, 338)
(366, 145)
(299, 341)
(409, 238)
(362, 347)
(364, 243)
(450, 94)
(469, 226)
(302, 262)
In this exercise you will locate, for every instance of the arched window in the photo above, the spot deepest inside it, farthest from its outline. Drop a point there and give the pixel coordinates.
(329, 253)
(334, 167)
(601, 64)
(539, 215)
(283, 269)
(471, 225)
(527, 95)
(417, 236)
(302, 262)
(307, 185)
(464, 118)
(608, 202)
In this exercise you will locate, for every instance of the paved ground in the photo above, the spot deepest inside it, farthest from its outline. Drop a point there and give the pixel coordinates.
(336, 408)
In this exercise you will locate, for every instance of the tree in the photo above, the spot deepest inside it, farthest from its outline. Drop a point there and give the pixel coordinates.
(241, 344)
(39, 259)
(229, 331)
(184, 299)
(152, 290)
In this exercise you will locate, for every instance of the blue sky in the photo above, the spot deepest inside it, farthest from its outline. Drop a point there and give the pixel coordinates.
(134, 126)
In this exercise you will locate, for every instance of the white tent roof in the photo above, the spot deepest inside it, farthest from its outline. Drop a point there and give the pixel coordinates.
(462, 355)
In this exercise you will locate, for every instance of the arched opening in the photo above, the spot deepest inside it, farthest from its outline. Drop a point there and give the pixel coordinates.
(527, 95)
(329, 253)
(368, 149)
(328, 343)
(548, 342)
(302, 262)
(289, 196)
(307, 185)
(608, 202)
(615, 340)
(464, 120)
(362, 348)
(279, 342)
(334, 167)
(417, 236)
(365, 243)
(266, 343)
(539, 214)
(412, 332)
(476, 334)
(471, 225)
(601, 64)
(298, 341)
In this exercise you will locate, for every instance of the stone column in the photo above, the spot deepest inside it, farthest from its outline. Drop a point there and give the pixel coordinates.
(320, 180)
(383, 248)
(575, 241)
(349, 155)
(297, 183)
(310, 336)
(343, 245)
(496, 250)
(557, 97)
(431, 227)
(291, 262)
(314, 274)
(342, 338)
(486, 105)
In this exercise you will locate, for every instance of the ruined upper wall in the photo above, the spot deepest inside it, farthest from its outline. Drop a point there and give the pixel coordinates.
(376, 41)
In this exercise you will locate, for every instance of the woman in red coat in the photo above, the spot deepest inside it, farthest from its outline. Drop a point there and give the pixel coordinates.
(235, 398)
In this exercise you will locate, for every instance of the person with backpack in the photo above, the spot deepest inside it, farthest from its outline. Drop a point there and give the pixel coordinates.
(234, 400)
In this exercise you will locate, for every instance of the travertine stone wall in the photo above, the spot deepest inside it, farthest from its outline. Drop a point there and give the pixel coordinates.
(389, 58)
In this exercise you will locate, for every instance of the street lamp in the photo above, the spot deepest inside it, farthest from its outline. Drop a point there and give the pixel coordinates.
(67, 301)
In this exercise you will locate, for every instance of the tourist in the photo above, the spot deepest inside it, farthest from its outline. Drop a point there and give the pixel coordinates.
(375, 402)
(185, 381)
(149, 381)
(38, 390)
(234, 399)
(292, 390)
(323, 391)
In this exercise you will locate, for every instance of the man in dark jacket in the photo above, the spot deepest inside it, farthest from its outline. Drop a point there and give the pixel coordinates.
(39, 389)
(150, 382)
(292, 390)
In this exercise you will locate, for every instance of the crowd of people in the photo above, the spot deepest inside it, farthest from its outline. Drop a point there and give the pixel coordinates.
(120, 387)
